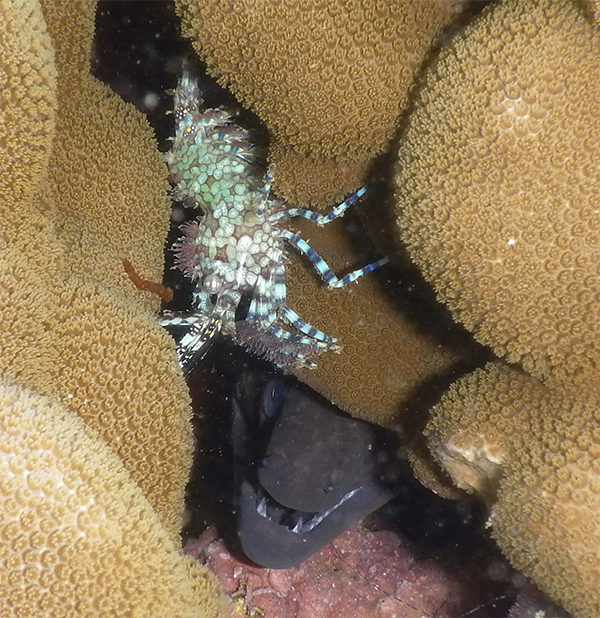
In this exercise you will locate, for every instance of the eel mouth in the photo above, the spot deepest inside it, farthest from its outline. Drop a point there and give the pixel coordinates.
(299, 522)
(277, 537)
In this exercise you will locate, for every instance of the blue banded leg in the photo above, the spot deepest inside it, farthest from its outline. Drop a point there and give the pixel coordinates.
(269, 298)
(321, 266)
(269, 308)
(226, 305)
(281, 333)
(202, 303)
(312, 340)
(261, 309)
(318, 218)
(275, 290)
(291, 317)
(278, 346)
(268, 183)
(262, 312)
(277, 281)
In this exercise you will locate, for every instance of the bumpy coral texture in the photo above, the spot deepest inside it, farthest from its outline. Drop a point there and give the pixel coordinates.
(384, 357)
(594, 7)
(534, 455)
(108, 215)
(28, 104)
(28, 108)
(70, 512)
(142, 413)
(33, 85)
(328, 78)
(553, 499)
(108, 202)
(498, 186)
(498, 178)
(79, 336)
(28, 79)
(470, 438)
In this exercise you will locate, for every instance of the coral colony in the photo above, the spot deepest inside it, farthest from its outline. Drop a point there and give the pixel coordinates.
(235, 248)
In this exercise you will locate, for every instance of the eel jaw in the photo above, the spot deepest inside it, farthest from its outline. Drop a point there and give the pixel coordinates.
(276, 537)
(299, 522)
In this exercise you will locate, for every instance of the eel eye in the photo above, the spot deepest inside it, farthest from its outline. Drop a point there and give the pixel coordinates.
(273, 398)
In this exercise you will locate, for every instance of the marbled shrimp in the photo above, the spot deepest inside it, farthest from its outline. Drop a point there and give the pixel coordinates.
(236, 247)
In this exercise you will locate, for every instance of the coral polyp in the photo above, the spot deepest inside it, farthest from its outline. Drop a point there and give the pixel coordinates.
(235, 248)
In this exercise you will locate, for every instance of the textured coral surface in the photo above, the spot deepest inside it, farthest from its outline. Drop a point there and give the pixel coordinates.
(86, 514)
(385, 357)
(534, 455)
(498, 186)
(480, 423)
(119, 211)
(78, 536)
(545, 514)
(328, 78)
(498, 178)
(594, 7)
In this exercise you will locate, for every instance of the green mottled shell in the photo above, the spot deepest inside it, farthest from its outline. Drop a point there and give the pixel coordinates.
(211, 161)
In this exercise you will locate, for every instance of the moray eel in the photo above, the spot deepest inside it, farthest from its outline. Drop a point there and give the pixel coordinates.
(304, 472)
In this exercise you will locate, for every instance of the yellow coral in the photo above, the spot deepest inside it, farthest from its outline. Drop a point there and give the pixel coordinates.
(480, 423)
(328, 78)
(594, 7)
(27, 351)
(106, 194)
(28, 86)
(546, 518)
(28, 108)
(28, 244)
(79, 537)
(384, 358)
(498, 178)
(534, 455)
(108, 215)
(118, 372)
(498, 187)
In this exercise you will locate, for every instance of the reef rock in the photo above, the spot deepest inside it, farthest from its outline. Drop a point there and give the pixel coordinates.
(362, 574)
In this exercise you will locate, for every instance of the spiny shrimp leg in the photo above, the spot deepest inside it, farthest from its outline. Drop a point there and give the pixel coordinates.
(321, 266)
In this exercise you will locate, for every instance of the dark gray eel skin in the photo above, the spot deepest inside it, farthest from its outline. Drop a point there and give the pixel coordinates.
(304, 472)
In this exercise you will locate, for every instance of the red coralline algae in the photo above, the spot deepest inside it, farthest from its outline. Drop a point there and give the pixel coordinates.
(362, 574)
